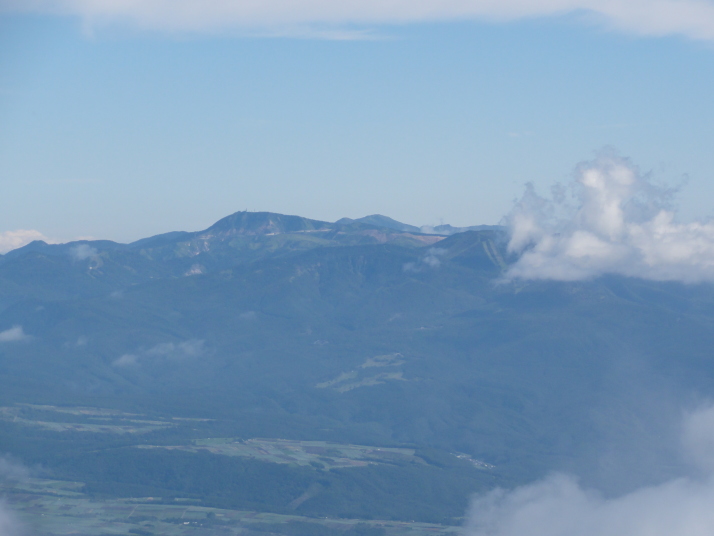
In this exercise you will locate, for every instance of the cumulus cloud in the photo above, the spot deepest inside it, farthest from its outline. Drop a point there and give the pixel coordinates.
(692, 18)
(14, 334)
(610, 220)
(10, 240)
(189, 349)
(559, 506)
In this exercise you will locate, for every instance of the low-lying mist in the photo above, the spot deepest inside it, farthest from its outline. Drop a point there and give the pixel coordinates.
(10, 472)
(560, 506)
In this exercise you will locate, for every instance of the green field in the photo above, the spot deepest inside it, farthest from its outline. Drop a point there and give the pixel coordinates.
(49, 508)
(81, 419)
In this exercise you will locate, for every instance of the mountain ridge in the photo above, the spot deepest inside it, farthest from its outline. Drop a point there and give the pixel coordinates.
(244, 223)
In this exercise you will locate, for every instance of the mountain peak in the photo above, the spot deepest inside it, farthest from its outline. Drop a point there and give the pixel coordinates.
(263, 223)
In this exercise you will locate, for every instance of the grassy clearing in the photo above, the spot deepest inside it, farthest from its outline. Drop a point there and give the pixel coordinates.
(347, 381)
(320, 453)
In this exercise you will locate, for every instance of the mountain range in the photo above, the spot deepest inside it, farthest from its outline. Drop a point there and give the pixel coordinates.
(366, 332)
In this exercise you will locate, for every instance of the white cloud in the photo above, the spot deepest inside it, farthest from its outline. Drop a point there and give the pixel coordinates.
(126, 360)
(559, 506)
(610, 220)
(196, 269)
(430, 260)
(692, 18)
(14, 334)
(82, 252)
(10, 240)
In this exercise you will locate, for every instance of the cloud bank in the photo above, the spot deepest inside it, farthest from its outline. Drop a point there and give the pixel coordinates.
(691, 18)
(610, 220)
(558, 506)
(10, 240)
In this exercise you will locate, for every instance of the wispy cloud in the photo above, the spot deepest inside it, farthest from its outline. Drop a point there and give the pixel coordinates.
(12, 470)
(10, 240)
(126, 360)
(196, 269)
(82, 252)
(610, 220)
(181, 350)
(559, 506)
(14, 334)
(430, 260)
(189, 349)
(691, 18)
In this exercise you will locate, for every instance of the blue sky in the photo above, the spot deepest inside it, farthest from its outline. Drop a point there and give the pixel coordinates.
(121, 130)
